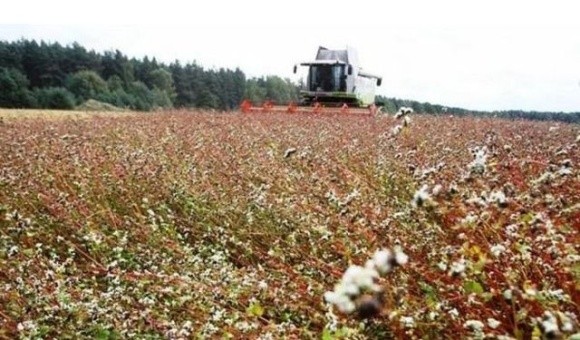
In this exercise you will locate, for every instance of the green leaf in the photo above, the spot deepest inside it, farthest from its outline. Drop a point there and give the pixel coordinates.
(486, 296)
(340, 333)
(576, 270)
(527, 218)
(473, 287)
(327, 334)
(255, 309)
(101, 333)
(478, 266)
(430, 293)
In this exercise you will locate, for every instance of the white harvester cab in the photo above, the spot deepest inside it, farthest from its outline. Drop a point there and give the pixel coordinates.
(335, 78)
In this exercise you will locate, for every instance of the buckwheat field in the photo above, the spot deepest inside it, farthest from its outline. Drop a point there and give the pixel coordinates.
(188, 224)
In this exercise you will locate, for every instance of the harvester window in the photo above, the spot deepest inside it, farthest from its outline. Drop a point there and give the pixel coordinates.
(327, 78)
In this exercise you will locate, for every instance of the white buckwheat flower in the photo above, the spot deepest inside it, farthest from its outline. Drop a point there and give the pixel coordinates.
(421, 197)
(493, 323)
(497, 249)
(357, 290)
(475, 325)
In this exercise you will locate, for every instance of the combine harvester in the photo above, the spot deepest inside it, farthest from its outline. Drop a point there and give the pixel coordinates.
(335, 84)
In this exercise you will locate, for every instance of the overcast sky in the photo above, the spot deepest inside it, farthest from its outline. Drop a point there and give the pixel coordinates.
(480, 55)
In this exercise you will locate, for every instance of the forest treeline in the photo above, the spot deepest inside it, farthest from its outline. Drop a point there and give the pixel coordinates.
(393, 105)
(53, 76)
